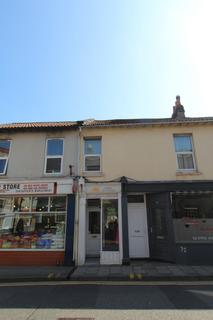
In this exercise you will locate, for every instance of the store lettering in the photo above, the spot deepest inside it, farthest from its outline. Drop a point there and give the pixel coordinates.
(11, 186)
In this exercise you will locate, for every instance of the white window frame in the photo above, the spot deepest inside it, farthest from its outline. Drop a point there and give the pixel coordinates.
(92, 155)
(53, 157)
(5, 158)
(185, 152)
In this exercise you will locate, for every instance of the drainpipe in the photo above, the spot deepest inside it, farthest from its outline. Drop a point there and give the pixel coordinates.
(124, 205)
(76, 232)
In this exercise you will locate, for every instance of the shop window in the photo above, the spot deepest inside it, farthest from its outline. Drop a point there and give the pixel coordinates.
(6, 204)
(92, 154)
(29, 223)
(54, 156)
(110, 227)
(21, 204)
(4, 155)
(57, 204)
(40, 204)
(193, 217)
(184, 152)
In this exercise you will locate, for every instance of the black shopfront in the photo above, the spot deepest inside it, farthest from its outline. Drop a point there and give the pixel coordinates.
(180, 220)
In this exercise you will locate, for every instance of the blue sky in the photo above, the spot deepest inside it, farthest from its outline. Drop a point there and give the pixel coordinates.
(79, 59)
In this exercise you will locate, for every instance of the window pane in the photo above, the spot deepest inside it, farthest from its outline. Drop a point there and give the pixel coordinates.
(40, 204)
(2, 165)
(55, 147)
(6, 223)
(53, 165)
(110, 235)
(183, 143)
(135, 198)
(21, 204)
(6, 204)
(193, 217)
(58, 204)
(4, 148)
(94, 222)
(92, 163)
(159, 223)
(185, 161)
(32, 231)
(92, 146)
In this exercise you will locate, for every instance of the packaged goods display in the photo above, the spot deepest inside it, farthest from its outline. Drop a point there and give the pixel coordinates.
(34, 223)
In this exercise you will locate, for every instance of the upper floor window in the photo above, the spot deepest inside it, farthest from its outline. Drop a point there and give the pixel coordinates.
(184, 152)
(4, 155)
(92, 154)
(54, 156)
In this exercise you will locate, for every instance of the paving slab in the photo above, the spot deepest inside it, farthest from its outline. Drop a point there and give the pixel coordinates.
(9, 274)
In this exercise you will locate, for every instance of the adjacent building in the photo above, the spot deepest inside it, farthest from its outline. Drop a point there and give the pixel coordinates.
(37, 200)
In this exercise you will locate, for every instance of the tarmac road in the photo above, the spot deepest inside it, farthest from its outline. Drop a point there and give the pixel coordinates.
(106, 301)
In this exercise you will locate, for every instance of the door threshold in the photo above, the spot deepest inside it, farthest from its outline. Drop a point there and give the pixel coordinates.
(92, 261)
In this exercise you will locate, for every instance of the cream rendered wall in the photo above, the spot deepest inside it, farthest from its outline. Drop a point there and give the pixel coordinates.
(147, 153)
(27, 155)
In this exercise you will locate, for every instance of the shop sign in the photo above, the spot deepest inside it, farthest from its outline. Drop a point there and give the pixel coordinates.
(27, 188)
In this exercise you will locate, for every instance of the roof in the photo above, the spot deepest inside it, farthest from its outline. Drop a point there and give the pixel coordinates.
(92, 123)
(39, 125)
(146, 122)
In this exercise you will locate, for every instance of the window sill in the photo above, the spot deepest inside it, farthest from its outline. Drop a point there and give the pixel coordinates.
(188, 173)
(93, 173)
(52, 174)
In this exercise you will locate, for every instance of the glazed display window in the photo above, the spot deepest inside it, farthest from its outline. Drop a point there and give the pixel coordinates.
(110, 236)
(33, 222)
(193, 217)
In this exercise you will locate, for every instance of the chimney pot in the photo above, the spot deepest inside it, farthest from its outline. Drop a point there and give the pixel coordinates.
(178, 110)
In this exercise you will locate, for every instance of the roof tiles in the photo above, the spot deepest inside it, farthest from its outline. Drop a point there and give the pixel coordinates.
(102, 123)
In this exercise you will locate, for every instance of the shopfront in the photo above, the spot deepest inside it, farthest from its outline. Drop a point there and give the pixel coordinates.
(36, 222)
(100, 234)
(179, 220)
(193, 226)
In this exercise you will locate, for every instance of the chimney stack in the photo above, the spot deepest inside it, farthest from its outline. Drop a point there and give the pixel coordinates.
(178, 110)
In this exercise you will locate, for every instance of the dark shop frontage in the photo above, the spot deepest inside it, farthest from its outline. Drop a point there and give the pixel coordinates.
(178, 221)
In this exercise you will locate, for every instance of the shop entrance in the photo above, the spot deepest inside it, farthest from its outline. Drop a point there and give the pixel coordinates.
(93, 238)
(137, 227)
(160, 226)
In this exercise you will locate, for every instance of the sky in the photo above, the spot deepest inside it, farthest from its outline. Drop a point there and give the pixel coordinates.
(104, 59)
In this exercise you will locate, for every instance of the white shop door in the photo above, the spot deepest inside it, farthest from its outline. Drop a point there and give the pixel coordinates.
(138, 232)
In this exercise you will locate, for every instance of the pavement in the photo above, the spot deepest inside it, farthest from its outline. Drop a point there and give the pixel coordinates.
(136, 271)
(37, 273)
(143, 271)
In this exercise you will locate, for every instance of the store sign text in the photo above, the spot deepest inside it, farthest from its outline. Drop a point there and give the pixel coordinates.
(26, 188)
